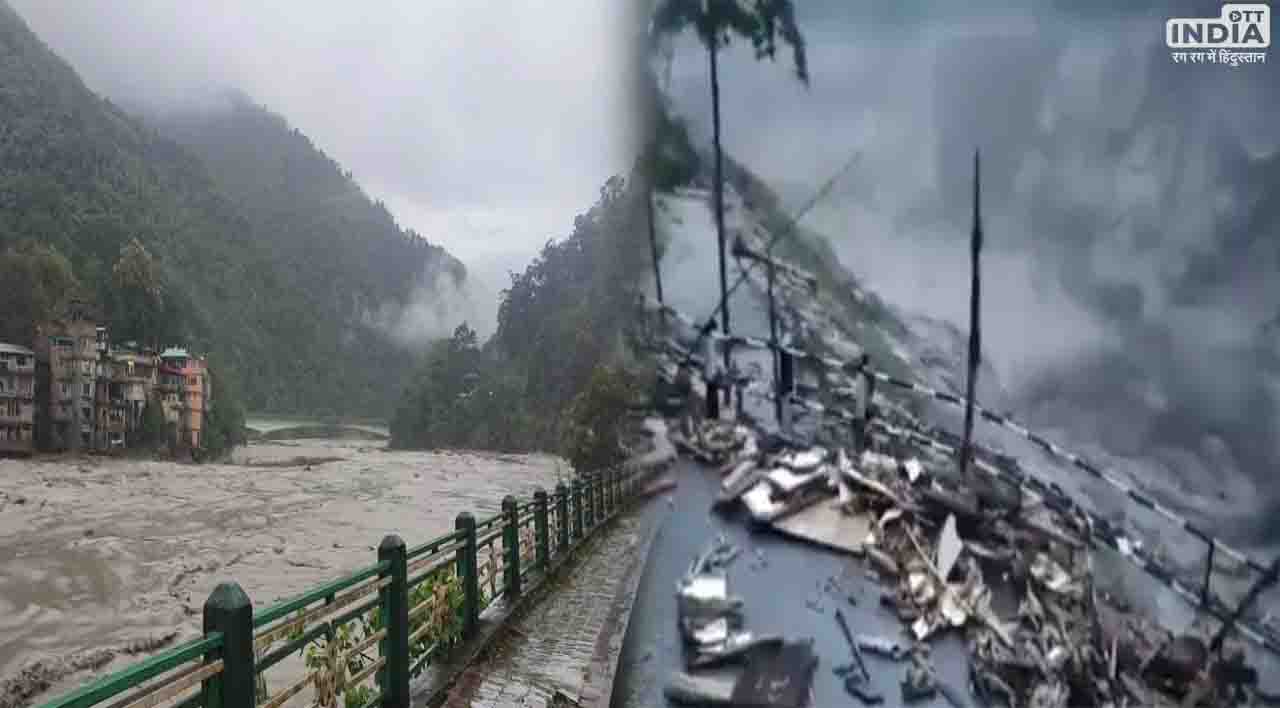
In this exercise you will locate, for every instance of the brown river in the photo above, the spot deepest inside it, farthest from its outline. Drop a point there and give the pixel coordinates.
(105, 560)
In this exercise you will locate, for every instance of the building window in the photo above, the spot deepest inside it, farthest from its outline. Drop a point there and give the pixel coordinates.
(86, 389)
(86, 413)
(64, 388)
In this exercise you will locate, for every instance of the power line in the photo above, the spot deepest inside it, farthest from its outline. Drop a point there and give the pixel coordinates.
(822, 192)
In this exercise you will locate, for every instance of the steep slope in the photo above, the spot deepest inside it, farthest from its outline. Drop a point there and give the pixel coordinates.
(283, 302)
(344, 262)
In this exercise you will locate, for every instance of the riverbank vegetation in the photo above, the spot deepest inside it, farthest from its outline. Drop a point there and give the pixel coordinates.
(559, 355)
(559, 373)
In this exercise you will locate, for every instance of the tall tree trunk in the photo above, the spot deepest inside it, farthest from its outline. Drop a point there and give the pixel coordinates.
(719, 195)
(975, 330)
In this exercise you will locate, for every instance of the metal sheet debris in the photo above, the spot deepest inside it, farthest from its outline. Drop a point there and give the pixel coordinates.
(1053, 641)
(826, 524)
(949, 547)
(777, 679)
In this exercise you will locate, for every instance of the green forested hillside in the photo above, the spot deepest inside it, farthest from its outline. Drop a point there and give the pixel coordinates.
(268, 257)
(338, 255)
(553, 375)
(559, 372)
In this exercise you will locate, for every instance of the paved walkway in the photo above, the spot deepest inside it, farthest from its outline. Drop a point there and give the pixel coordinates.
(570, 640)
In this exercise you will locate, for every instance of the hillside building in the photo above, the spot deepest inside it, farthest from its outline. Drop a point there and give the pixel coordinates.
(67, 351)
(17, 399)
(184, 387)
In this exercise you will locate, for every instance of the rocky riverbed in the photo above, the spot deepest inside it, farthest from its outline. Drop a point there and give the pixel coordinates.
(103, 560)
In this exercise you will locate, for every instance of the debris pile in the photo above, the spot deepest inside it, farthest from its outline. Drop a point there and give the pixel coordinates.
(773, 673)
(999, 563)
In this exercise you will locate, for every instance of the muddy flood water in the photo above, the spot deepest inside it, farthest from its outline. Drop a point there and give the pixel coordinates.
(105, 560)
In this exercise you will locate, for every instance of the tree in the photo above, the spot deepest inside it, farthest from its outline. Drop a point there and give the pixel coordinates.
(224, 416)
(137, 294)
(716, 21)
(36, 281)
(560, 319)
(152, 430)
(593, 437)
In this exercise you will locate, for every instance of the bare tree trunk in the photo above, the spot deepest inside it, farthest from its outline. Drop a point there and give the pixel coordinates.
(975, 331)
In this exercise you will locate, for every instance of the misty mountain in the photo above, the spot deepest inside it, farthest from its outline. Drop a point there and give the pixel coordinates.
(271, 258)
(359, 274)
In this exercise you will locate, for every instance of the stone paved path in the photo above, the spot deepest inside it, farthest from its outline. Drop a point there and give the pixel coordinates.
(570, 639)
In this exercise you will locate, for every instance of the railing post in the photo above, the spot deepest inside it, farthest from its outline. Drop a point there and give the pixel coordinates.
(611, 492)
(579, 500)
(394, 677)
(562, 513)
(602, 488)
(229, 611)
(596, 511)
(597, 498)
(511, 546)
(466, 562)
(604, 494)
(541, 530)
(1208, 575)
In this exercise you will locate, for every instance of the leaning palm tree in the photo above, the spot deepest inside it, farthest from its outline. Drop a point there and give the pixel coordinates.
(716, 22)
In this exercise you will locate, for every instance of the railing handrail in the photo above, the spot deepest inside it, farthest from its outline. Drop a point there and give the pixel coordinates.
(434, 544)
(1206, 599)
(1004, 420)
(120, 681)
(226, 665)
(283, 608)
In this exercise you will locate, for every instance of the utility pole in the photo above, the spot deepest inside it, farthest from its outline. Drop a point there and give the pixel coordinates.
(975, 332)
(653, 246)
(773, 347)
(718, 191)
(783, 370)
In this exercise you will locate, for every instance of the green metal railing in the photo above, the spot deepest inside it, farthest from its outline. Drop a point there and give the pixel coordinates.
(364, 636)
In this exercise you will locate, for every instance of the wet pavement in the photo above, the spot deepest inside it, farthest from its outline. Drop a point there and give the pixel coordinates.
(782, 584)
(569, 641)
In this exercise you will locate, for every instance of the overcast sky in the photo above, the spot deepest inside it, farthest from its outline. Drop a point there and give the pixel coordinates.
(1132, 265)
(485, 125)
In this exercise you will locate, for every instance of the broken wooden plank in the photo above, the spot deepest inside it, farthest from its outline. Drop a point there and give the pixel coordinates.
(826, 524)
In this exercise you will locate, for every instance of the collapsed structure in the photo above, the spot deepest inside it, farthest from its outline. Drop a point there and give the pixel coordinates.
(994, 552)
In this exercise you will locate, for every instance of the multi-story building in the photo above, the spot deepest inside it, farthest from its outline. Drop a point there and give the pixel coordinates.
(66, 352)
(133, 379)
(184, 386)
(17, 399)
